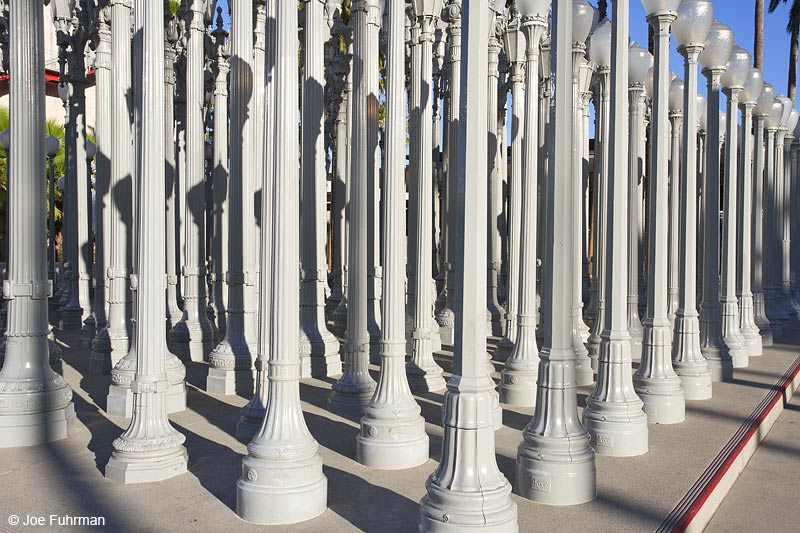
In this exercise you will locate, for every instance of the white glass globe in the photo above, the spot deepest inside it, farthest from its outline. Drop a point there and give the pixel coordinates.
(788, 105)
(765, 99)
(652, 7)
(638, 64)
(702, 112)
(773, 120)
(723, 123)
(51, 145)
(533, 8)
(791, 124)
(582, 19)
(693, 22)
(718, 46)
(649, 80)
(676, 89)
(600, 45)
(753, 85)
(737, 68)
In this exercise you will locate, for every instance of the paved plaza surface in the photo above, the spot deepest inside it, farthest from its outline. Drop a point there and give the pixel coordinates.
(634, 494)
(765, 496)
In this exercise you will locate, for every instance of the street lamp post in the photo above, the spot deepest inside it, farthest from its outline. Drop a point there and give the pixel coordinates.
(655, 381)
(733, 81)
(676, 91)
(392, 431)
(713, 58)
(776, 319)
(424, 373)
(639, 63)
(613, 414)
(150, 449)
(468, 438)
(695, 19)
(600, 54)
(518, 386)
(760, 117)
(582, 18)
(555, 464)
(753, 84)
(37, 402)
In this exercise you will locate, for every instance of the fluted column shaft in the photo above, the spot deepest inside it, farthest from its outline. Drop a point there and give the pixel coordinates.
(519, 375)
(687, 359)
(790, 160)
(220, 181)
(282, 480)
(468, 442)
(35, 402)
(555, 445)
(78, 308)
(583, 365)
(150, 449)
(656, 340)
(174, 312)
(601, 171)
(374, 273)
(424, 373)
(613, 414)
(353, 391)
(730, 305)
(712, 345)
(446, 317)
(103, 77)
(193, 333)
(115, 338)
(744, 271)
(770, 178)
(759, 177)
(494, 200)
(392, 431)
(635, 172)
(675, 222)
(239, 348)
(319, 349)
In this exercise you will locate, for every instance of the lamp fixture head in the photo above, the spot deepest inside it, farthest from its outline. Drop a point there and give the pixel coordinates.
(737, 68)
(600, 45)
(676, 89)
(718, 46)
(693, 23)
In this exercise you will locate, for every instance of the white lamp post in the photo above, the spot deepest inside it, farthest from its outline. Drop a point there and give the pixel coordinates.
(282, 480)
(784, 230)
(753, 85)
(424, 374)
(468, 425)
(518, 385)
(613, 414)
(713, 58)
(761, 116)
(687, 360)
(676, 90)
(639, 64)
(555, 463)
(600, 54)
(776, 318)
(583, 17)
(392, 431)
(733, 80)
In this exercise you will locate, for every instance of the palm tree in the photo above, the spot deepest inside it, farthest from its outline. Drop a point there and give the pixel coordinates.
(602, 9)
(793, 27)
(758, 40)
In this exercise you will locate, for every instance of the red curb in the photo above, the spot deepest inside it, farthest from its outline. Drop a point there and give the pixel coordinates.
(682, 516)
